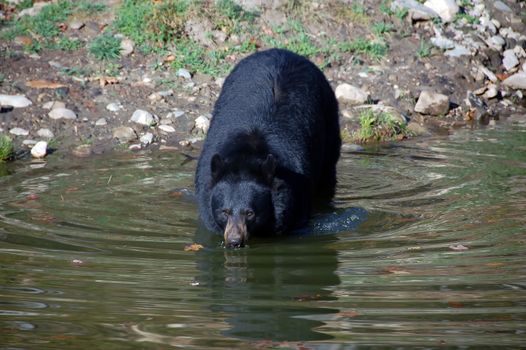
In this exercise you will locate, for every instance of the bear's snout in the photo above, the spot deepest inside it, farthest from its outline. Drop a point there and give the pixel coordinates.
(236, 234)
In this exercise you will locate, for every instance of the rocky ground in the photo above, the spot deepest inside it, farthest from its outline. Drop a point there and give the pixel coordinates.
(434, 65)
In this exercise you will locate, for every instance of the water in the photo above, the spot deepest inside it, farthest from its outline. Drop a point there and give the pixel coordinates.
(92, 256)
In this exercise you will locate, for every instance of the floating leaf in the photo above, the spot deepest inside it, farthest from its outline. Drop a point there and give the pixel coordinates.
(194, 247)
(458, 247)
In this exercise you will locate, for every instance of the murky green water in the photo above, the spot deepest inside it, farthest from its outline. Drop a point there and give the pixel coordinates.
(92, 256)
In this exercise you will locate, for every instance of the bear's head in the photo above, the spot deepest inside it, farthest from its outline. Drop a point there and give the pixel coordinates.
(241, 197)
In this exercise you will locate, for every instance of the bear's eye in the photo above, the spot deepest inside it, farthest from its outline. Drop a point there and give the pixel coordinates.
(226, 212)
(249, 214)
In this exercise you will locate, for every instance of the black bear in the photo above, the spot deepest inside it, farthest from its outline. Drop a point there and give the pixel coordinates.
(273, 144)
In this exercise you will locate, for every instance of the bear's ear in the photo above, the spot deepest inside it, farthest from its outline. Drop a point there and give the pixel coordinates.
(269, 167)
(216, 166)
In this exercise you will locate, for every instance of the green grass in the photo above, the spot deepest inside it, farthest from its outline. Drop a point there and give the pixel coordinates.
(376, 127)
(401, 13)
(380, 28)
(372, 49)
(424, 49)
(105, 47)
(88, 7)
(67, 44)
(6, 148)
(468, 18)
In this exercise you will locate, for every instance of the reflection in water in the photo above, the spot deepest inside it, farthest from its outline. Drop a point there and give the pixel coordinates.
(271, 291)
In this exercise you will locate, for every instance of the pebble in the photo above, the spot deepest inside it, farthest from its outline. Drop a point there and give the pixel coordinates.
(114, 106)
(446, 9)
(432, 103)
(127, 47)
(176, 113)
(496, 42)
(15, 101)
(124, 134)
(351, 94)
(442, 43)
(29, 142)
(181, 72)
(19, 132)
(146, 138)
(144, 118)
(39, 150)
(62, 113)
(53, 105)
(167, 128)
(516, 81)
(101, 122)
(509, 60)
(351, 147)
(45, 133)
(55, 64)
(202, 124)
(491, 76)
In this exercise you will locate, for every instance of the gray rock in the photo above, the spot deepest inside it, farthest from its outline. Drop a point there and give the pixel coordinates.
(146, 138)
(516, 81)
(15, 101)
(82, 151)
(509, 60)
(491, 92)
(432, 103)
(202, 123)
(53, 105)
(114, 106)
(124, 134)
(19, 132)
(442, 43)
(28, 142)
(101, 122)
(45, 133)
(416, 129)
(486, 23)
(496, 42)
(417, 11)
(76, 24)
(62, 113)
(499, 5)
(181, 72)
(127, 47)
(39, 150)
(458, 51)
(167, 128)
(446, 9)
(144, 118)
(55, 64)
(350, 94)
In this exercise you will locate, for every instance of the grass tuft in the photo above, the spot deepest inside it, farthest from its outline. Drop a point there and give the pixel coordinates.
(106, 47)
(377, 127)
(424, 49)
(6, 148)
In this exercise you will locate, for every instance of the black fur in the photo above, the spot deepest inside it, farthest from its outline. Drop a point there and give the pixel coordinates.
(273, 103)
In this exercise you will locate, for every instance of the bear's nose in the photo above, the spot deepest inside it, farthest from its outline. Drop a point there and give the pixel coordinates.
(235, 243)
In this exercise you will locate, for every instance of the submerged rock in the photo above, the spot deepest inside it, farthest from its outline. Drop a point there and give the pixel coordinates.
(432, 103)
(45, 133)
(124, 134)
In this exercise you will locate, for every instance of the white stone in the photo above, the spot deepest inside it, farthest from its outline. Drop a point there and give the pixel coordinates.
(114, 106)
(443, 43)
(127, 47)
(432, 103)
(491, 92)
(135, 147)
(28, 142)
(202, 124)
(516, 81)
(39, 150)
(15, 101)
(19, 132)
(486, 23)
(184, 73)
(147, 138)
(101, 122)
(446, 9)
(351, 94)
(144, 118)
(496, 42)
(76, 24)
(62, 113)
(417, 11)
(45, 133)
(53, 105)
(166, 128)
(509, 60)
(491, 76)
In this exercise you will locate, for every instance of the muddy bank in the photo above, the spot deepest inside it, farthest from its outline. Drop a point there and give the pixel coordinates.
(437, 66)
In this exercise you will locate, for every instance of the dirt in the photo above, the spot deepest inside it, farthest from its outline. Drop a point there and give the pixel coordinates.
(395, 80)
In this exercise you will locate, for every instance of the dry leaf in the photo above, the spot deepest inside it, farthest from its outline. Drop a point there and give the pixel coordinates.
(169, 58)
(44, 84)
(396, 270)
(103, 81)
(194, 247)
